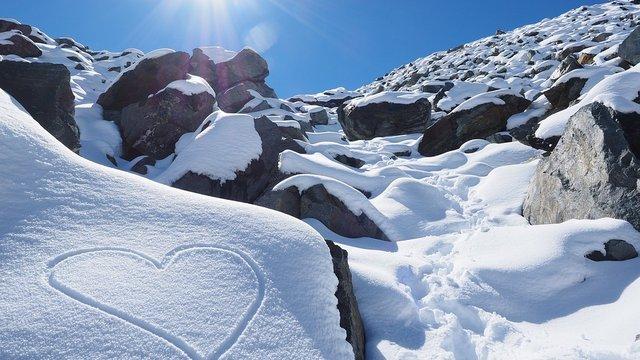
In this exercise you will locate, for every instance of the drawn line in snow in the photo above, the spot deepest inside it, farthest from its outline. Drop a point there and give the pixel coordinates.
(182, 345)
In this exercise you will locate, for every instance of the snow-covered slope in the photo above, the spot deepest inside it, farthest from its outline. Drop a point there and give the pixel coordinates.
(96, 263)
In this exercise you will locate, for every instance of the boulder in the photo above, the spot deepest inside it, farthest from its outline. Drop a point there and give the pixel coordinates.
(593, 172)
(561, 94)
(26, 30)
(350, 319)
(67, 42)
(20, 45)
(319, 117)
(473, 119)
(44, 91)
(147, 77)
(248, 183)
(233, 99)
(629, 49)
(317, 203)
(153, 126)
(567, 65)
(614, 250)
(374, 119)
(247, 65)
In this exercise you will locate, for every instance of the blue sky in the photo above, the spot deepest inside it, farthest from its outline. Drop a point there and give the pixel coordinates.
(310, 45)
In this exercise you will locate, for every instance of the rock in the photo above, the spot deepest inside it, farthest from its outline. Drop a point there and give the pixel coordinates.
(21, 46)
(44, 90)
(615, 250)
(601, 37)
(350, 318)
(247, 65)
(435, 88)
(148, 77)
(319, 117)
(26, 30)
(592, 173)
(560, 95)
(248, 183)
(567, 65)
(317, 203)
(68, 42)
(477, 122)
(585, 59)
(349, 161)
(384, 119)
(629, 49)
(233, 99)
(570, 50)
(140, 166)
(153, 126)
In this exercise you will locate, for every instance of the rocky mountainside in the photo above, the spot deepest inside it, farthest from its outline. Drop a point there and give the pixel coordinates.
(477, 203)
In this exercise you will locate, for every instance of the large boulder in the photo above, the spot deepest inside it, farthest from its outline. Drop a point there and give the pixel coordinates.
(20, 45)
(593, 172)
(247, 183)
(350, 318)
(567, 65)
(147, 77)
(385, 114)
(318, 203)
(563, 92)
(44, 90)
(246, 65)
(629, 49)
(477, 118)
(233, 99)
(32, 33)
(153, 126)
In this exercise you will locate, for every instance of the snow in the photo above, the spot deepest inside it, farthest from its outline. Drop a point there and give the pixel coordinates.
(218, 54)
(98, 263)
(395, 97)
(217, 152)
(193, 85)
(492, 97)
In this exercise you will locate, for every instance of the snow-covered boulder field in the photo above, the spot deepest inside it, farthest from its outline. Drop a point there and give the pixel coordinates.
(477, 203)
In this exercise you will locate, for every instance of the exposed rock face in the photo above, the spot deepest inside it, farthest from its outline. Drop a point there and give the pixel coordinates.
(478, 122)
(148, 77)
(153, 126)
(592, 173)
(350, 319)
(21, 46)
(561, 95)
(44, 91)
(250, 182)
(26, 30)
(629, 49)
(384, 119)
(232, 79)
(233, 99)
(615, 250)
(317, 203)
(319, 117)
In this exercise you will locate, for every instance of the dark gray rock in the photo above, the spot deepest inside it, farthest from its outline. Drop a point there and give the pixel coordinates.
(615, 250)
(567, 65)
(479, 122)
(44, 91)
(629, 49)
(26, 30)
(68, 42)
(233, 99)
(560, 95)
(140, 166)
(592, 173)
(317, 203)
(153, 126)
(148, 77)
(21, 46)
(319, 117)
(349, 161)
(384, 119)
(350, 318)
(250, 182)
(247, 65)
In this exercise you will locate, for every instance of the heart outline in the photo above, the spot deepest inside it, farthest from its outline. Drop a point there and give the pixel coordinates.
(175, 341)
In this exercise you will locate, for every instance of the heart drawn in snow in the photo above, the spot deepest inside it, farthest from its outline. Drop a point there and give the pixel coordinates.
(198, 298)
